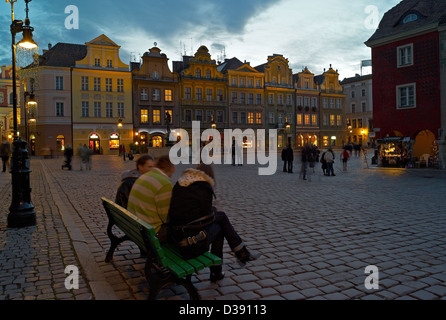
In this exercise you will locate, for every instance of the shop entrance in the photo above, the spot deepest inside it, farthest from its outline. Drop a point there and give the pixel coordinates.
(157, 142)
(94, 143)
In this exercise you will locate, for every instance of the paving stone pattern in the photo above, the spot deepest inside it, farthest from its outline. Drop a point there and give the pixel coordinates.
(315, 237)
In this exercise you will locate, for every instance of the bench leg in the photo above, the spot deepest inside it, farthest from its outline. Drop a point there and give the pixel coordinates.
(187, 283)
(115, 242)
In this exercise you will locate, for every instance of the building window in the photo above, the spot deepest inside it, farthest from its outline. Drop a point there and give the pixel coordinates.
(359, 123)
(314, 102)
(258, 84)
(406, 96)
(121, 109)
(259, 98)
(187, 93)
(233, 82)
(85, 109)
(197, 73)
(338, 103)
(209, 94)
(97, 62)
(209, 116)
(85, 84)
(97, 84)
(324, 103)
(299, 120)
(272, 118)
(168, 95)
(332, 120)
(156, 116)
(59, 109)
(97, 109)
(250, 98)
(199, 94)
(363, 92)
(208, 74)
(364, 107)
(59, 83)
(144, 116)
(307, 102)
(299, 102)
(242, 117)
(120, 85)
(219, 95)
(332, 103)
(109, 63)
(155, 75)
(188, 115)
(108, 85)
(405, 55)
(242, 98)
(234, 117)
(307, 119)
(220, 117)
(156, 96)
(339, 120)
(144, 94)
(109, 109)
(353, 94)
(234, 97)
(271, 98)
(258, 118)
(250, 117)
(314, 120)
(199, 115)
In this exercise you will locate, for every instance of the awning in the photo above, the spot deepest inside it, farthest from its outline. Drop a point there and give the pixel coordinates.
(393, 140)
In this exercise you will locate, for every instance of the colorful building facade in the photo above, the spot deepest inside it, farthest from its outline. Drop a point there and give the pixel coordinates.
(156, 99)
(407, 98)
(102, 117)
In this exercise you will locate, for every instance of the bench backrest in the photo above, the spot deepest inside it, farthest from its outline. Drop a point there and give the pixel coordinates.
(135, 228)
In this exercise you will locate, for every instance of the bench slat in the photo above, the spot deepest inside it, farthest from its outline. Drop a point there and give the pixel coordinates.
(206, 261)
(180, 261)
(174, 268)
(215, 260)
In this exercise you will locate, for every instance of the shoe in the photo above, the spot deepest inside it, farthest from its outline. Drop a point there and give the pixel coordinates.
(244, 256)
(305, 178)
(216, 276)
(333, 175)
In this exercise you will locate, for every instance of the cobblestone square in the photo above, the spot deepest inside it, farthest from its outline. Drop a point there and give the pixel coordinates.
(316, 237)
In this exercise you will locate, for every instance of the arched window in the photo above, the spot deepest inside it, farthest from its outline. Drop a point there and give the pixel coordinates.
(410, 17)
(197, 73)
(208, 74)
(60, 143)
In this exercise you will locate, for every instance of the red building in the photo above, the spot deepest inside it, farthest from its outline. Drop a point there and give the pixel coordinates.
(407, 111)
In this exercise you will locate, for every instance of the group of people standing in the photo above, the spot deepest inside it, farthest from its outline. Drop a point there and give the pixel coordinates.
(183, 214)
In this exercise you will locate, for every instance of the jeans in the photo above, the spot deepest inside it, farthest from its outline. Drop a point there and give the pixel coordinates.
(330, 168)
(218, 231)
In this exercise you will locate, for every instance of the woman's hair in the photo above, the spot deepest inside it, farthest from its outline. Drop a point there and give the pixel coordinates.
(142, 160)
(207, 169)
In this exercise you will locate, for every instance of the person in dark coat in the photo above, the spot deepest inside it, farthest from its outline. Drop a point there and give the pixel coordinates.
(290, 158)
(144, 164)
(285, 159)
(193, 217)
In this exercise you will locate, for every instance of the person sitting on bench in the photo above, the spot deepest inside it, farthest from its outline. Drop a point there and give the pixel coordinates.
(195, 224)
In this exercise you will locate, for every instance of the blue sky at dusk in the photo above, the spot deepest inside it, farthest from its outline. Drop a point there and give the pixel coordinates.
(308, 33)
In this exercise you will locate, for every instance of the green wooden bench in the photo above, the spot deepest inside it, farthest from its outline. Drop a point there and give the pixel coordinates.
(164, 264)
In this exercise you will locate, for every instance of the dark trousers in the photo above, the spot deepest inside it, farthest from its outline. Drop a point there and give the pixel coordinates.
(285, 166)
(290, 166)
(220, 230)
(5, 160)
(330, 170)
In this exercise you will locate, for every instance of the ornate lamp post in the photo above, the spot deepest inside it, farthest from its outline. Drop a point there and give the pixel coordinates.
(21, 211)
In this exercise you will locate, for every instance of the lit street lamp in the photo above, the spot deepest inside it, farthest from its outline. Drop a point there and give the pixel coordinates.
(21, 211)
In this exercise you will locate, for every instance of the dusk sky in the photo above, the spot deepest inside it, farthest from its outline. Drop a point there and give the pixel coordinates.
(308, 33)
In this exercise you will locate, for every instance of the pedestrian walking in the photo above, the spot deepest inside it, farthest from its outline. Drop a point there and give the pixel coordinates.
(329, 158)
(290, 158)
(285, 160)
(364, 154)
(123, 152)
(68, 154)
(5, 150)
(323, 162)
(344, 156)
(304, 162)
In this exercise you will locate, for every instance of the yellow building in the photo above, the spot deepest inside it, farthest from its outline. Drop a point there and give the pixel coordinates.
(202, 91)
(102, 99)
(279, 98)
(332, 109)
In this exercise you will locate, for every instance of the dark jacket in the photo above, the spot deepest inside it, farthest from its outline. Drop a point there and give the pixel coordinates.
(128, 179)
(289, 154)
(192, 198)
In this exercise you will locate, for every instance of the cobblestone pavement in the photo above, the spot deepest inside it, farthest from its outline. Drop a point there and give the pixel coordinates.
(316, 237)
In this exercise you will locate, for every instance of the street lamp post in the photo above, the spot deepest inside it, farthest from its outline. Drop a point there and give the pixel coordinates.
(21, 211)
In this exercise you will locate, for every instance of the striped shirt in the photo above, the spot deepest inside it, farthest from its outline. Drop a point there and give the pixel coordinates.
(150, 198)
